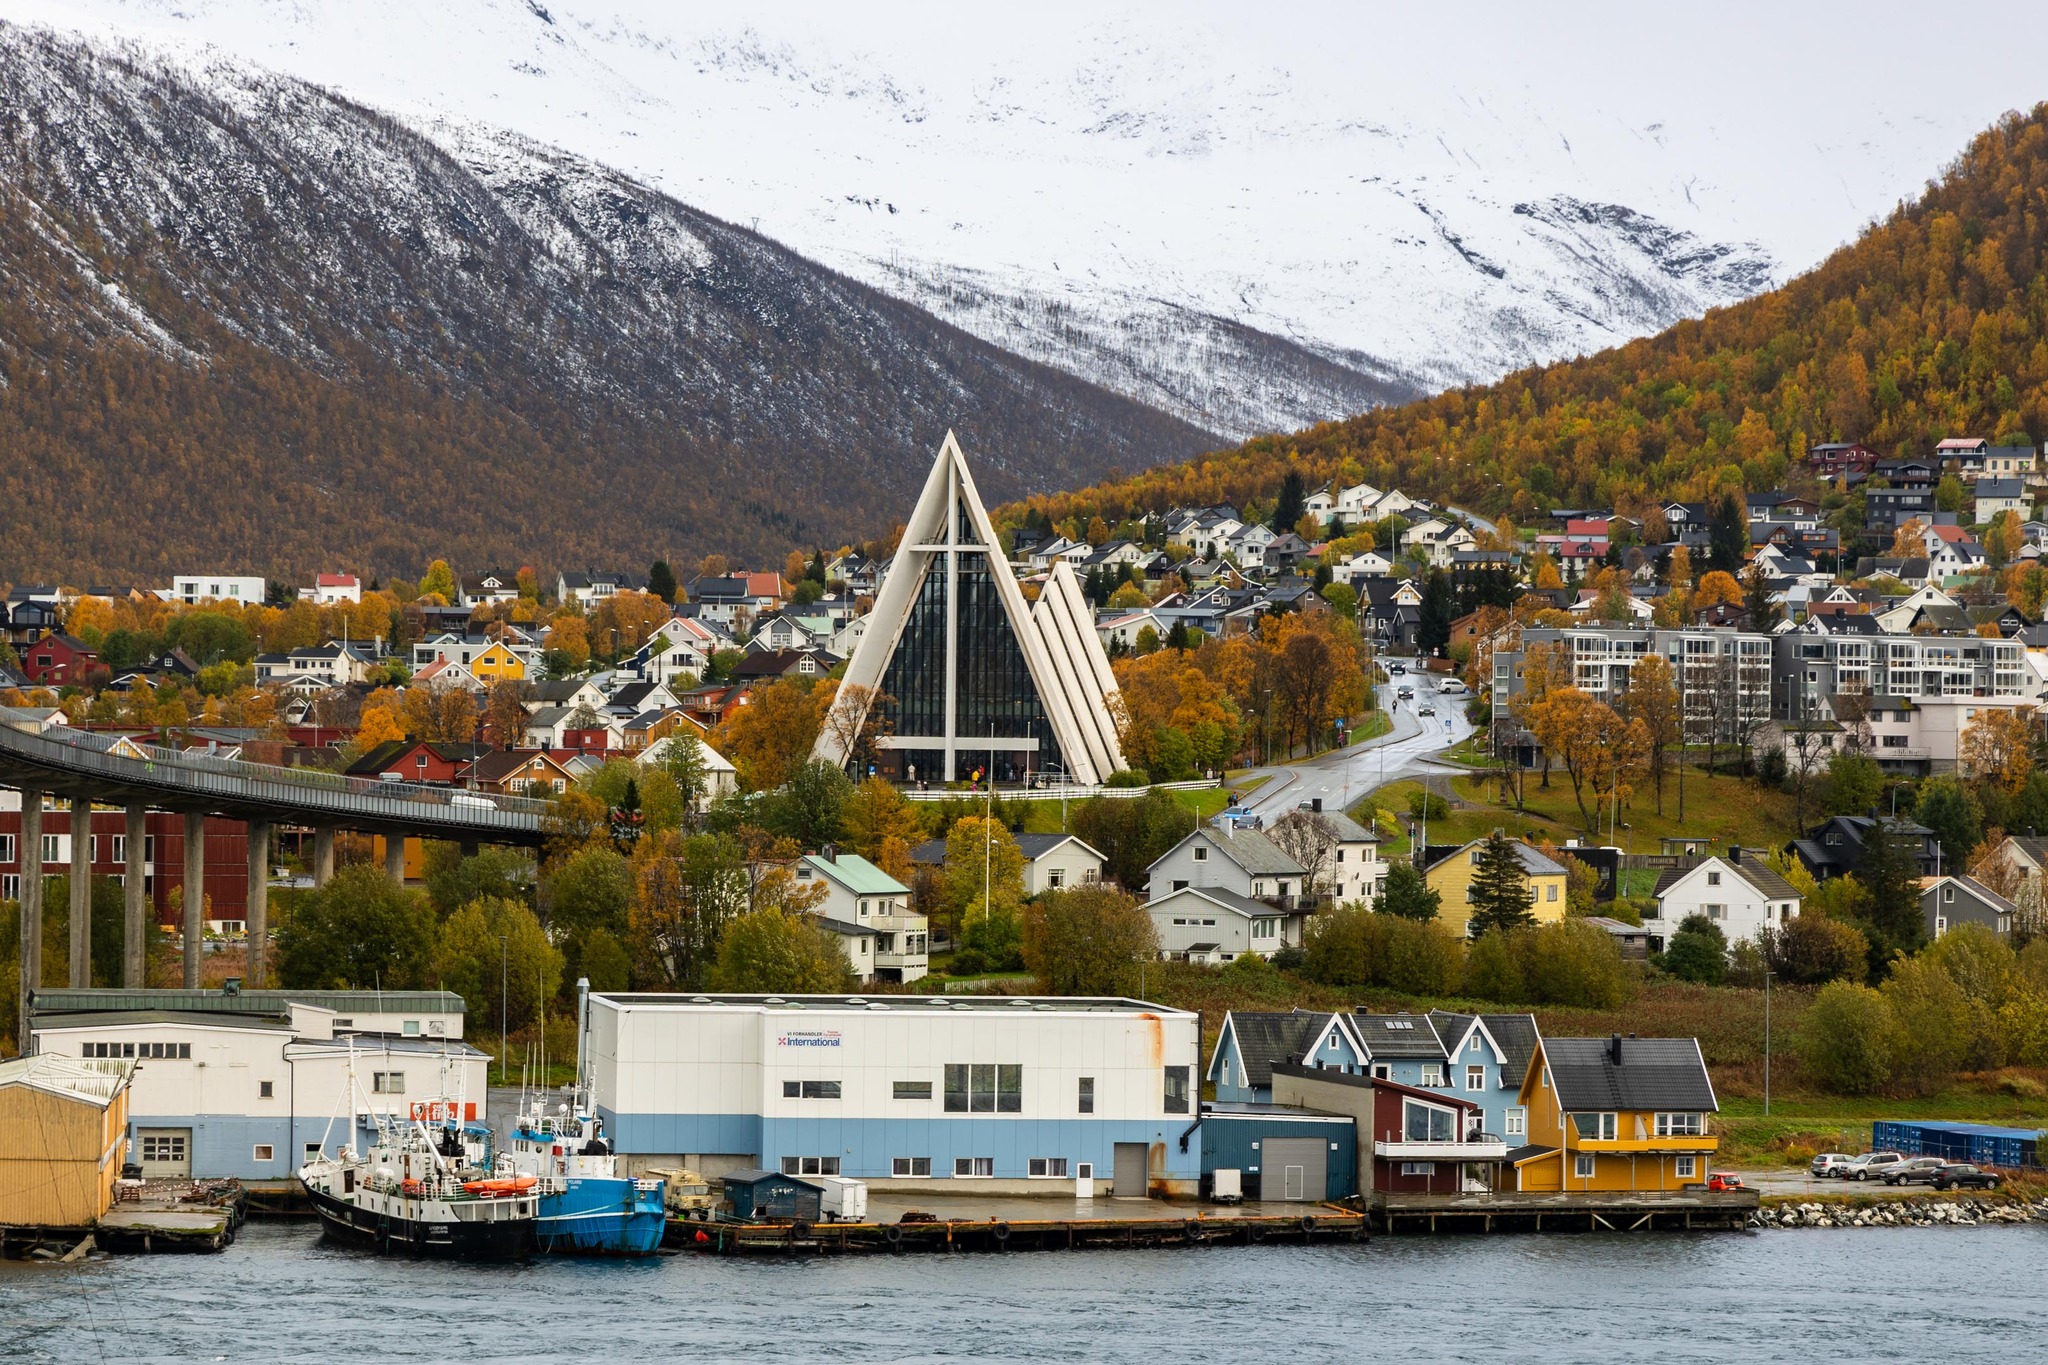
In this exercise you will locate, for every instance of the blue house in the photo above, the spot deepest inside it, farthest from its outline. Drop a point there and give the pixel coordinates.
(1486, 1056)
(1241, 1067)
(1402, 1048)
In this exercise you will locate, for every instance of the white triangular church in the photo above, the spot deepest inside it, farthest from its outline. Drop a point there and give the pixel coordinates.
(973, 677)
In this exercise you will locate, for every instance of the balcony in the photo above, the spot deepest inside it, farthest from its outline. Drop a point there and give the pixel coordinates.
(1484, 1147)
(1696, 1142)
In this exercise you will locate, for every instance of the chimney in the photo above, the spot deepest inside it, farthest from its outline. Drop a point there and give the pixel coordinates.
(1316, 805)
(1735, 853)
(829, 853)
(1614, 1049)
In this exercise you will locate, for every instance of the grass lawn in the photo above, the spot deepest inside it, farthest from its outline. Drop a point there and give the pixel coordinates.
(1726, 810)
(1043, 816)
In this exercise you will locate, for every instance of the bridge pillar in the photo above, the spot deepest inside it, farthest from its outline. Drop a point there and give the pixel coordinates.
(134, 919)
(81, 892)
(323, 854)
(257, 918)
(31, 903)
(394, 857)
(468, 848)
(195, 895)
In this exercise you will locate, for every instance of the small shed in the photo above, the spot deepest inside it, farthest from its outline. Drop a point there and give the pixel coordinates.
(63, 1128)
(1286, 1152)
(761, 1194)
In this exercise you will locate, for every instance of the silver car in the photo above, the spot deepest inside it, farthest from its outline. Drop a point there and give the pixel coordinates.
(1829, 1164)
(1871, 1165)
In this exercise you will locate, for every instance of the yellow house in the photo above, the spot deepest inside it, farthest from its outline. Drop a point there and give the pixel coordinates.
(498, 662)
(1451, 879)
(63, 1127)
(1616, 1113)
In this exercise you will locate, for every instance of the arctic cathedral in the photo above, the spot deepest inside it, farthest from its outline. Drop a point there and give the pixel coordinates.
(971, 678)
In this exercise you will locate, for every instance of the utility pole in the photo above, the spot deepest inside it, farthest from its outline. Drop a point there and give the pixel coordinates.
(1767, 1042)
(504, 979)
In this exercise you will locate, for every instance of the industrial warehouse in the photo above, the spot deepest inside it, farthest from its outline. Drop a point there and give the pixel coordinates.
(1017, 1095)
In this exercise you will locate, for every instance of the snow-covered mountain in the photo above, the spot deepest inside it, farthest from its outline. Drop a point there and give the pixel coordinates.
(1251, 216)
(243, 320)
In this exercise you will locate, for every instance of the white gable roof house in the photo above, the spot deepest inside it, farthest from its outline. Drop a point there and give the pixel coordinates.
(1739, 893)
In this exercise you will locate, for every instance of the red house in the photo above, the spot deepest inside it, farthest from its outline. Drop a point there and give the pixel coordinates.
(416, 760)
(59, 660)
(163, 859)
(1423, 1140)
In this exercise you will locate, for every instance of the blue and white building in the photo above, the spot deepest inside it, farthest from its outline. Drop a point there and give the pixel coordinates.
(250, 1084)
(1011, 1095)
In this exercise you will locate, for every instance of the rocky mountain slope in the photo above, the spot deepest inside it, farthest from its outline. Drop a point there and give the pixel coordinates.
(246, 322)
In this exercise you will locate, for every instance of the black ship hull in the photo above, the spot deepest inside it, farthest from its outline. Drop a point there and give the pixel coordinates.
(497, 1239)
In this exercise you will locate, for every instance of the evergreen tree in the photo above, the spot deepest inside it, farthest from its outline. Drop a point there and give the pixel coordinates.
(661, 580)
(816, 571)
(1439, 609)
(1287, 508)
(1728, 536)
(1889, 875)
(1500, 888)
(1756, 600)
(1407, 895)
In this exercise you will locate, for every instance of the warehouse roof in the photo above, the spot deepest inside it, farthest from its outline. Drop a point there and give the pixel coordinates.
(905, 1004)
(64, 1000)
(51, 1023)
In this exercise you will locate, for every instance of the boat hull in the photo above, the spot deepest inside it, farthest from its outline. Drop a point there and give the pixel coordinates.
(499, 1239)
(601, 1217)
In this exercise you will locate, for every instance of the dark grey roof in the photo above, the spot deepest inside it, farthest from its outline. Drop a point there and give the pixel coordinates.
(1653, 1073)
(1518, 1155)
(1348, 830)
(1263, 1039)
(1398, 1035)
(62, 999)
(1228, 899)
(53, 1021)
(1254, 852)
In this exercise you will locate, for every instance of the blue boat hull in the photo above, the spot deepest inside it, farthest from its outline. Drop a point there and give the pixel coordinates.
(601, 1217)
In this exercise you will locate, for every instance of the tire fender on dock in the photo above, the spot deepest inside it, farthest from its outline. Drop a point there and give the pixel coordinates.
(1001, 1232)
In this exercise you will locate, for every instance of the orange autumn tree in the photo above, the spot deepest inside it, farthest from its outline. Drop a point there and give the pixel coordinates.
(1998, 746)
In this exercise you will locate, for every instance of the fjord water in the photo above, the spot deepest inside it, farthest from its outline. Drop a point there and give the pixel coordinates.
(1918, 1294)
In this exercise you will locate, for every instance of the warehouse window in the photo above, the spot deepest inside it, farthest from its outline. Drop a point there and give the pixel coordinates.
(956, 1088)
(810, 1090)
(982, 1166)
(387, 1082)
(810, 1165)
(984, 1089)
(263, 1152)
(266, 1090)
(1087, 1094)
(913, 1090)
(1176, 1090)
(910, 1165)
(1049, 1167)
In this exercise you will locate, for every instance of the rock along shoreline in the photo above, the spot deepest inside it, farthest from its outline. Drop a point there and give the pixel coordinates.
(1900, 1213)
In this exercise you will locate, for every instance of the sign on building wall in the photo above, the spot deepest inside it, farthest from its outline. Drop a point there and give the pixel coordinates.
(808, 1038)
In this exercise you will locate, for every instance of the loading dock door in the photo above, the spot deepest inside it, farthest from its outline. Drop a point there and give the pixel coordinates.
(1296, 1170)
(164, 1152)
(1130, 1170)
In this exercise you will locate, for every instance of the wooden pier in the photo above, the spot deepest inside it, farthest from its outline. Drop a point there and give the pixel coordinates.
(1611, 1211)
(1191, 1227)
(183, 1217)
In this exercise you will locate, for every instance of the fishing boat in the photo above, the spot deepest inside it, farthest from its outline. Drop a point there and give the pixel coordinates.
(586, 1206)
(418, 1188)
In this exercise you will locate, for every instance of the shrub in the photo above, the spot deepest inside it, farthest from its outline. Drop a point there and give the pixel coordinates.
(1698, 952)
(1816, 948)
(1491, 972)
(1128, 777)
(1941, 1030)
(1847, 1039)
(1427, 805)
(1572, 963)
(1087, 940)
(1349, 945)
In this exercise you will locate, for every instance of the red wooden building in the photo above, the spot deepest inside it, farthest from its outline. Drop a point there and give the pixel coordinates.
(227, 856)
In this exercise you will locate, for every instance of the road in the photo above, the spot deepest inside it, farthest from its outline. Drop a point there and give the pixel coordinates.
(1341, 776)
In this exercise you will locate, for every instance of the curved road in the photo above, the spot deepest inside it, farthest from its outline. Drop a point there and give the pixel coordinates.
(1339, 777)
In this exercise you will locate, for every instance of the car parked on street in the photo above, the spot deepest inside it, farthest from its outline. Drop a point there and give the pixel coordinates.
(1918, 1170)
(1871, 1165)
(1958, 1175)
(1828, 1165)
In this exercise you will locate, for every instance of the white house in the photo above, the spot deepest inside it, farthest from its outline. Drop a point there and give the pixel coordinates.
(722, 779)
(870, 910)
(1056, 861)
(329, 588)
(213, 587)
(1739, 893)
(1355, 871)
(1365, 564)
(1212, 925)
(1227, 892)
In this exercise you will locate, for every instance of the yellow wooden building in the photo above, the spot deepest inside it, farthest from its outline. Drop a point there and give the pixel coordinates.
(63, 1132)
(1607, 1114)
(498, 663)
(1451, 879)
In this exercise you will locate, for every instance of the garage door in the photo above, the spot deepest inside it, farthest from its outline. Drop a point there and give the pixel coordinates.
(1294, 1169)
(1130, 1170)
(164, 1152)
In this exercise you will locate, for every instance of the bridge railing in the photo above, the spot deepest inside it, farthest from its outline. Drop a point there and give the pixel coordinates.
(122, 758)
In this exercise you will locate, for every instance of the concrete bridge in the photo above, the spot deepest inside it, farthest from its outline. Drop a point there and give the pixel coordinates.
(91, 769)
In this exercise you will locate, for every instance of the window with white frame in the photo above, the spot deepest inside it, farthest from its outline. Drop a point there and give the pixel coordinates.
(1516, 1121)
(1201, 854)
(974, 1167)
(263, 1151)
(387, 1082)
(1475, 1078)
(7, 850)
(1582, 1167)
(1418, 1168)
(1687, 1167)
(912, 1090)
(1055, 877)
(1432, 1073)
(1427, 1123)
(1681, 1125)
(906, 1166)
(1047, 1167)
(1597, 1127)
(1383, 1071)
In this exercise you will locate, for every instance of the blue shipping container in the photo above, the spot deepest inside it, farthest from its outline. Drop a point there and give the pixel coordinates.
(1981, 1143)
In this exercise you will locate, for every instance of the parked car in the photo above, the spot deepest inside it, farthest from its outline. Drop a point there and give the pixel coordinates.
(1828, 1165)
(1452, 685)
(1918, 1171)
(1871, 1164)
(1725, 1180)
(1962, 1175)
